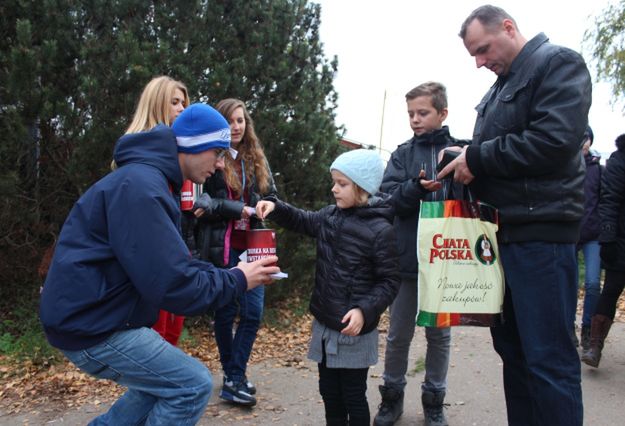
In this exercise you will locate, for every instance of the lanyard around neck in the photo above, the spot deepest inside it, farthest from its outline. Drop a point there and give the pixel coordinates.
(242, 180)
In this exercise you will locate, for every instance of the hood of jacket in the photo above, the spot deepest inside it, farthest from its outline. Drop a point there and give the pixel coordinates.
(435, 137)
(378, 205)
(155, 147)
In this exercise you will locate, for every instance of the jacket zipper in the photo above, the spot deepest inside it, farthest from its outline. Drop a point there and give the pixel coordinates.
(433, 167)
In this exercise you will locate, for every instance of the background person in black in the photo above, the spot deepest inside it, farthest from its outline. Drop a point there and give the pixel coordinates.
(588, 242)
(612, 240)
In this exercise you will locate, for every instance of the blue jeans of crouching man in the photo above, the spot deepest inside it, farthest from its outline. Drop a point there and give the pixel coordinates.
(165, 385)
(541, 367)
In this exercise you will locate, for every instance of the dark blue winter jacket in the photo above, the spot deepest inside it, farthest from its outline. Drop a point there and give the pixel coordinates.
(591, 221)
(120, 256)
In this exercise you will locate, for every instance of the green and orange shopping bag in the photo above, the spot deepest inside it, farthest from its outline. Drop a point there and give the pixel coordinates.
(461, 281)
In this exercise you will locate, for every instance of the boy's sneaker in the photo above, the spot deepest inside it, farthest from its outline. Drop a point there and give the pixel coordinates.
(251, 389)
(237, 393)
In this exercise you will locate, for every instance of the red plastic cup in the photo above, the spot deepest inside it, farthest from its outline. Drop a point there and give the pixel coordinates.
(187, 195)
(261, 243)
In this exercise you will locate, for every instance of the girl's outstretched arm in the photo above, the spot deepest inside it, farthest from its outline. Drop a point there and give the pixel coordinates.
(289, 217)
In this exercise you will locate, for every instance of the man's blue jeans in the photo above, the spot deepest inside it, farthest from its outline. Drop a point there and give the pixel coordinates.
(235, 349)
(592, 277)
(541, 368)
(165, 385)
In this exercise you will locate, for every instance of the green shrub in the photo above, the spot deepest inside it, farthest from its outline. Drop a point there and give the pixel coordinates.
(22, 338)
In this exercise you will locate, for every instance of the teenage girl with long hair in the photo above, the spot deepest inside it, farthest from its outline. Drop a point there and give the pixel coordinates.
(221, 237)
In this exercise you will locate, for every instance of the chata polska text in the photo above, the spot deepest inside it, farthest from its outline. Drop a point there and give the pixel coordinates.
(450, 249)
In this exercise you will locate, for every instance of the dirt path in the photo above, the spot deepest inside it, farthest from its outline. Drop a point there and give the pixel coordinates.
(288, 394)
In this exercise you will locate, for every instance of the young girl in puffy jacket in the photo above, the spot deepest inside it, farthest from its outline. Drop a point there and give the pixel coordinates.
(357, 277)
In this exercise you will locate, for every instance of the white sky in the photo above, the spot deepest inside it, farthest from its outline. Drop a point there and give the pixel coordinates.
(391, 46)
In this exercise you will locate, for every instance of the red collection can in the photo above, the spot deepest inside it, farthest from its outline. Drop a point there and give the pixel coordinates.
(261, 243)
(187, 195)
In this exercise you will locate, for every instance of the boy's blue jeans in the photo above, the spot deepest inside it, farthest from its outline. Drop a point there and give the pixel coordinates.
(165, 385)
(235, 349)
(541, 368)
(592, 277)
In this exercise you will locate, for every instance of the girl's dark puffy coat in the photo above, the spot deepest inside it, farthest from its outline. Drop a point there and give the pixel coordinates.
(212, 225)
(357, 263)
(612, 206)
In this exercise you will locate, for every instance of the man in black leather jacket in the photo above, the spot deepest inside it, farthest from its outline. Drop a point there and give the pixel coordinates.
(525, 159)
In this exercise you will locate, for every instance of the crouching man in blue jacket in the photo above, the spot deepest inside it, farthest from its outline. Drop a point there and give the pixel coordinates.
(120, 258)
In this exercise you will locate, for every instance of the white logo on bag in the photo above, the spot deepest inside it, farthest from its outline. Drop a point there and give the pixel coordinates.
(484, 250)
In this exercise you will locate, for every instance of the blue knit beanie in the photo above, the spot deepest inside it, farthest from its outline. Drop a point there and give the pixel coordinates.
(364, 167)
(199, 128)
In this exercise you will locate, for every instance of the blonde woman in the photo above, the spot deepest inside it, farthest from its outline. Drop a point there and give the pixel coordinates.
(161, 101)
(222, 229)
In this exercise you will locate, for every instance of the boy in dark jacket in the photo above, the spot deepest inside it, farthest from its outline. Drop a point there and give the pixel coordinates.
(409, 178)
(356, 278)
(120, 258)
